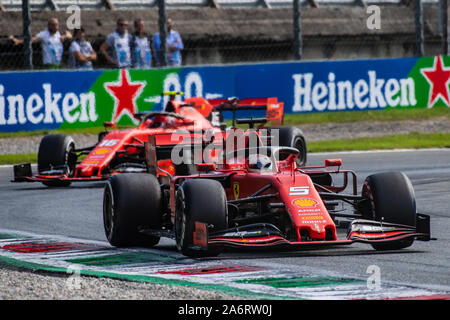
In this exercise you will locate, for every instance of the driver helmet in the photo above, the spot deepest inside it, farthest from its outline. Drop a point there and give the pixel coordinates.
(160, 121)
(259, 163)
(156, 122)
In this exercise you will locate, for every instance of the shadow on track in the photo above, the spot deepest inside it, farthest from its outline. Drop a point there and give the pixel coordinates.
(91, 185)
(234, 253)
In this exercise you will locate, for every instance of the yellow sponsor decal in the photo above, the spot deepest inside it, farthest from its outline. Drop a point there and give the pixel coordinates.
(102, 151)
(312, 218)
(236, 190)
(304, 202)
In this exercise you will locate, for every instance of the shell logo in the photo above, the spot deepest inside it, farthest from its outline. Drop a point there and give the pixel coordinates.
(304, 202)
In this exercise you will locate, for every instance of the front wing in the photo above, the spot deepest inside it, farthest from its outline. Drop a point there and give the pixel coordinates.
(23, 173)
(266, 236)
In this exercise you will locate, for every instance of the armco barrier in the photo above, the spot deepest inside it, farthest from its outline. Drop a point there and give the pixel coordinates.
(77, 99)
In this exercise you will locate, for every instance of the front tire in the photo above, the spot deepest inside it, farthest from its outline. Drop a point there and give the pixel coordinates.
(57, 150)
(131, 202)
(392, 200)
(199, 200)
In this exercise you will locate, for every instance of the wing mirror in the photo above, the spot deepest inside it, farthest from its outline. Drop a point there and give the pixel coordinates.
(333, 162)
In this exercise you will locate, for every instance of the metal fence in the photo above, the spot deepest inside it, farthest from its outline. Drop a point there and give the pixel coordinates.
(241, 31)
(39, 5)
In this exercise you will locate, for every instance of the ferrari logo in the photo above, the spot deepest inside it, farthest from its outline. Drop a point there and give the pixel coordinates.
(236, 190)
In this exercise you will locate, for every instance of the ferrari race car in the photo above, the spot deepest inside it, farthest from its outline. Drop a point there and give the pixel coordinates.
(119, 151)
(259, 198)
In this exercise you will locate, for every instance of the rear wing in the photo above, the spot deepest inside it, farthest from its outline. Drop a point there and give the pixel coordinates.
(274, 108)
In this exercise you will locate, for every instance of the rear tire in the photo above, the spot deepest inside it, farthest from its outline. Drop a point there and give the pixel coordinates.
(392, 200)
(57, 150)
(131, 202)
(293, 137)
(200, 200)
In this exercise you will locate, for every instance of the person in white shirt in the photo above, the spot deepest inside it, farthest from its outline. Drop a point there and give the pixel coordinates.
(116, 48)
(174, 45)
(141, 54)
(81, 53)
(51, 44)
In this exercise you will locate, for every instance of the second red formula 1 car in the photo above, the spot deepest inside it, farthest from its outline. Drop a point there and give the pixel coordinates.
(116, 151)
(253, 199)
(122, 150)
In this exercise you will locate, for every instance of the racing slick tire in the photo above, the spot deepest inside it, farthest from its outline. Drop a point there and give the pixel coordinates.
(293, 137)
(132, 201)
(392, 200)
(200, 200)
(56, 150)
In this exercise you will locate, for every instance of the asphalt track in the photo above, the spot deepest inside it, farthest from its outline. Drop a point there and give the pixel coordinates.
(77, 212)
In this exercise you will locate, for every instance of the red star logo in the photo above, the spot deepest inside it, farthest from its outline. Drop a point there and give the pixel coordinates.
(438, 76)
(125, 94)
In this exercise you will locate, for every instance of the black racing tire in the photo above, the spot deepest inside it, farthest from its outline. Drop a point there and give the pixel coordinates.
(392, 200)
(200, 200)
(57, 150)
(132, 201)
(293, 137)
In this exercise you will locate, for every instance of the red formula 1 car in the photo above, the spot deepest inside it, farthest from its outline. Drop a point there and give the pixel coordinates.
(118, 151)
(253, 199)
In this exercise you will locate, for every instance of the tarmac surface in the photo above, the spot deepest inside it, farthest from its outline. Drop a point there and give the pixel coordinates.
(77, 212)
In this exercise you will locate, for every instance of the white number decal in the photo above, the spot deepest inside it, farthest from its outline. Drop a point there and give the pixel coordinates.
(108, 143)
(298, 191)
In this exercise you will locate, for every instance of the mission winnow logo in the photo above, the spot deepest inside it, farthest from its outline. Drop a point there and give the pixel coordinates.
(51, 100)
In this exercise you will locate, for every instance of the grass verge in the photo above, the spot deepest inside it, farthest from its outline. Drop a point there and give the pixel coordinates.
(21, 134)
(392, 114)
(18, 158)
(412, 140)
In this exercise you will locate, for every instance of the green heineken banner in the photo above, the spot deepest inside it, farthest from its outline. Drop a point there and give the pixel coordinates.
(77, 99)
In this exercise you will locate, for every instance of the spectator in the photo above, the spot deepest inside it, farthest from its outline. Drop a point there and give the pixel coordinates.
(51, 43)
(141, 55)
(116, 48)
(174, 45)
(81, 53)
